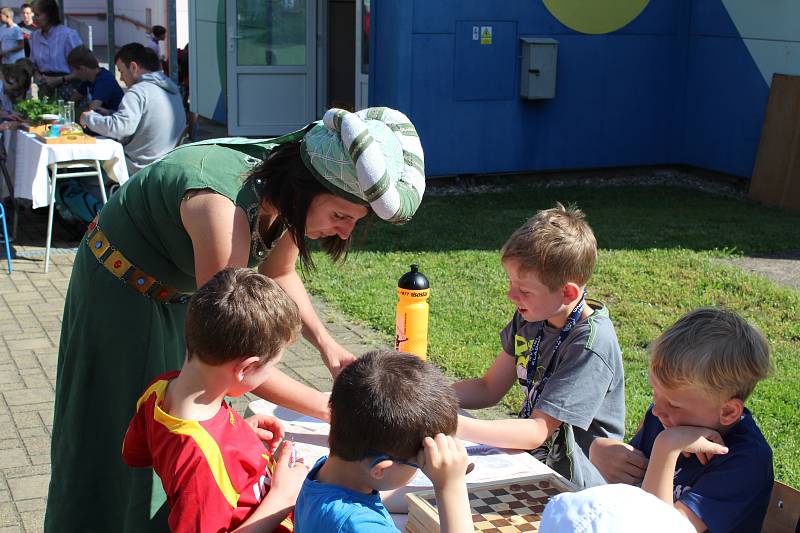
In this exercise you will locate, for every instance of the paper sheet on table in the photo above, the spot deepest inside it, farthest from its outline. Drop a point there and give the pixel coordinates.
(491, 464)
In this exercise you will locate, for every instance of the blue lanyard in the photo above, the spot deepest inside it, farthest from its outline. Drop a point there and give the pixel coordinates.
(531, 397)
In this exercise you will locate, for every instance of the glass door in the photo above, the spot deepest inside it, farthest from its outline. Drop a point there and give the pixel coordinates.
(272, 64)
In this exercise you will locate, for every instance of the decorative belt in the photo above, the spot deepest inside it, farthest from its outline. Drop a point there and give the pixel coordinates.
(124, 270)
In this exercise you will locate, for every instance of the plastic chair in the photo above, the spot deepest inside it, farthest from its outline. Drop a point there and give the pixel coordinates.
(82, 169)
(5, 235)
(783, 513)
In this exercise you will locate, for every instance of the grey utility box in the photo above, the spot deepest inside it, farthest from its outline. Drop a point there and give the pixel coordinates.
(538, 69)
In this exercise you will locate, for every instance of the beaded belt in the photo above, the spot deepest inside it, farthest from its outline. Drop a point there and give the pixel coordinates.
(124, 270)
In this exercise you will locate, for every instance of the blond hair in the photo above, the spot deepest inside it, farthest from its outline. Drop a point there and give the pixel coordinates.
(714, 349)
(557, 244)
(7, 11)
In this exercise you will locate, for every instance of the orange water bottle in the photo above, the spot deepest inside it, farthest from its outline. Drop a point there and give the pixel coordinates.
(411, 326)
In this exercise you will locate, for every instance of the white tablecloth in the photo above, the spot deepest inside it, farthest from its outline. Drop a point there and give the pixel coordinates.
(32, 158)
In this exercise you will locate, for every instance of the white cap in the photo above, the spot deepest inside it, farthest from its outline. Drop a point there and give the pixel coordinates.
(612, 508)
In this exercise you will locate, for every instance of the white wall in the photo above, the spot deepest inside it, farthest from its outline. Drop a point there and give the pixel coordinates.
(125, 32)
(207, 60)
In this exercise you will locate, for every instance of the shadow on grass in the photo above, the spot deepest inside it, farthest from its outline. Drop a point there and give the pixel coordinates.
(629, 218)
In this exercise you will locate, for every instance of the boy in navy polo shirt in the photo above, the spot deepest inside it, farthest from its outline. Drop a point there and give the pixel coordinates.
(706, 454)
(99, 86)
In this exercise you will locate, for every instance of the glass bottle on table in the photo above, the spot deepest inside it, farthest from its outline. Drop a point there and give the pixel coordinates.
(69, 113)
(61, 110)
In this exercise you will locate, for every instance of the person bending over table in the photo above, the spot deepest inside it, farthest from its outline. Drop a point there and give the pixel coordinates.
(150, 118)
(99, 88)
(168, 230)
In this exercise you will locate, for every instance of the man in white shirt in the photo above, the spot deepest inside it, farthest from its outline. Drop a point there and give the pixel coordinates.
(12, 41)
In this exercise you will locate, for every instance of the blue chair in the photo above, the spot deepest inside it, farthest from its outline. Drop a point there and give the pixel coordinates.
(5, 235)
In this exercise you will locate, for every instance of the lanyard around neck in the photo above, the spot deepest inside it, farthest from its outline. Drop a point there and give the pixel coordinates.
(532, 396)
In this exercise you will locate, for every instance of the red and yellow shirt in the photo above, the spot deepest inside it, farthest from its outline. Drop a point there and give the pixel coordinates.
(215, 472)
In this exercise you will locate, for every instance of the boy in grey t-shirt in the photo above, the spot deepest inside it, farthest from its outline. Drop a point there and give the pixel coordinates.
(559, 346)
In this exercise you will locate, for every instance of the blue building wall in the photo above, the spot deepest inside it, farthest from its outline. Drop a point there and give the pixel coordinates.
(677, 84)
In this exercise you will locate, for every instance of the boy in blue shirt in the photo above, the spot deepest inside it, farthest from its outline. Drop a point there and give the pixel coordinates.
(698, 447)
(391, 413)
(98, 87)
(559, 346)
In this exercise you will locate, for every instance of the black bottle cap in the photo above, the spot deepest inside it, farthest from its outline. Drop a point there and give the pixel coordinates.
(414, 280)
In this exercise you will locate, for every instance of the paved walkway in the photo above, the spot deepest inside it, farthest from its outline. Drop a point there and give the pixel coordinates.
(783, 269)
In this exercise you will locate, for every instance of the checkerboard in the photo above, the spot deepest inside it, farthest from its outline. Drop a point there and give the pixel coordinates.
(498, 507)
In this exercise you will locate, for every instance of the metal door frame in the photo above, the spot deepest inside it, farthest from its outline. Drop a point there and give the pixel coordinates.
(311, 69)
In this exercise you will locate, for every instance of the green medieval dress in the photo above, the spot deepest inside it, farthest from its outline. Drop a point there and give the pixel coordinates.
(117, 335)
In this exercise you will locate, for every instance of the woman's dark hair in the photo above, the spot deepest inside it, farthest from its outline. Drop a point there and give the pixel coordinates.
(49, 8)
(285, 182)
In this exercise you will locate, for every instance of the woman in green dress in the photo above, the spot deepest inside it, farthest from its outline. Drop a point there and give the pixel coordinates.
(166, 231)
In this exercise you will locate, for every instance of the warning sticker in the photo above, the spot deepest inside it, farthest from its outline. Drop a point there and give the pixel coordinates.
(486, 35)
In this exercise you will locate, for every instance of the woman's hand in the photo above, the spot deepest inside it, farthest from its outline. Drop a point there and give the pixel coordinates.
(50, 81)
(280, 266)
(336, 357)
(618, 461)
(268, 428)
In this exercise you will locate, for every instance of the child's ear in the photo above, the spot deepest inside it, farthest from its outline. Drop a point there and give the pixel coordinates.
(245, 366)
(570, 292)
(379, 469)
(731, 411)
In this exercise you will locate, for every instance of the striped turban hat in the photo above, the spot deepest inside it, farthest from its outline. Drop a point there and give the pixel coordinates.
(369, 157)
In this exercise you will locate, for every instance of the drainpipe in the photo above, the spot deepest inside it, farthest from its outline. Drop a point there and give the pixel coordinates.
(112, 47)
(172, 32)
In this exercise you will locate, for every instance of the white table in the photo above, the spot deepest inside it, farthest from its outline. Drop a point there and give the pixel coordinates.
(491, 464)
(31, 158)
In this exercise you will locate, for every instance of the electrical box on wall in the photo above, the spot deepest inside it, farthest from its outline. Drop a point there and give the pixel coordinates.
(538, 69)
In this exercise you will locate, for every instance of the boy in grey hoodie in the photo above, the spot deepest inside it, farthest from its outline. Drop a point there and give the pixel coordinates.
(150, 119)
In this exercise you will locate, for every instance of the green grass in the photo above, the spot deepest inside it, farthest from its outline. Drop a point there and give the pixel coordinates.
(661, 252)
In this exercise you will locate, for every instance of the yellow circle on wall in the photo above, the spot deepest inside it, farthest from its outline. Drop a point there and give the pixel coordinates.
(595, 16)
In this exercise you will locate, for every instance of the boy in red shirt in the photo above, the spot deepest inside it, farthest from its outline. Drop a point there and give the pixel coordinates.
(216, 471)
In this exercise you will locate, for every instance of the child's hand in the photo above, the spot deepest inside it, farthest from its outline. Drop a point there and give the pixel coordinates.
(288, 477)
(618, 461)
(703, 442)
(268, 428)
(444, 460)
